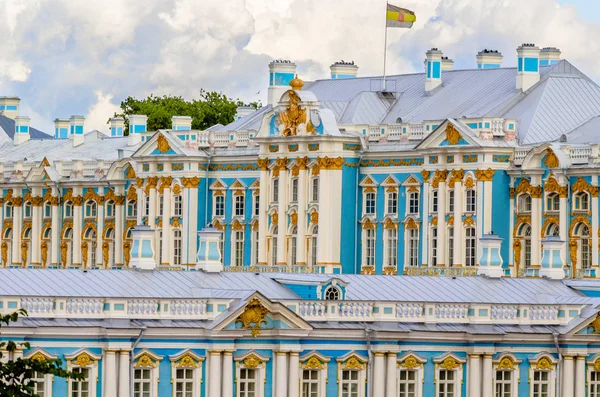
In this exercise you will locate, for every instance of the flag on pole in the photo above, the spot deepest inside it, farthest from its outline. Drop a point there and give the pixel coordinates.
(397, 17)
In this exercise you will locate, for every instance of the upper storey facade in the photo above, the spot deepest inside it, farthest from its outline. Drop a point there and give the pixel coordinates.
(345, 175)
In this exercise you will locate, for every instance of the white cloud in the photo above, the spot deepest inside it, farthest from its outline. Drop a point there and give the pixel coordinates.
(100, 112)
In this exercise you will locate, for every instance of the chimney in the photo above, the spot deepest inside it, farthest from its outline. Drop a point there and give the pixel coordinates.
(343, 70)
(209, 258)
(552, 261)
(117, 124)
(76, 129)
(490, 263)
(61, 128)
(242, 111)
(447, 64)
(549, 56)
(137, 126)
(281, 72)
(181, 123)
(528, 69)
(489, 59)
(433, 70)
(142, 248)
(9, 106)
(21, 130)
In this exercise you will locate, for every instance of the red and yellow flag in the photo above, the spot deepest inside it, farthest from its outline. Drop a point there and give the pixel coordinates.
(397, 17)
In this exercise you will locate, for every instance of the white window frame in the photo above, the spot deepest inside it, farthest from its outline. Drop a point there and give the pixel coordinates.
(93, 209)
(550, 198)
(272, 254)
(185, 360)
(314, 189)
(72, 363)
(216, 196)
(9, 211)
(109, 204)
(147, 205)
(362, 371)
(38, 354)
(253, 358)
(434, 240)
(542, 360)
(441, 364)
(507, 362)
(47, 205)
(275, 190)
(133, 205)
(388, 246)
(366, 248)
(255, 246)
(407, 244)
(434, 201)
(578, 199)
(391, 202)
(473, 248)
(410, 199)
(235, 258)
(256, 204)
(177, 205)
(177, 247)
(366, 201)
(471, 202)
(524, 203)
(451, 200)
(411, 362)
(316, 362)
(294, 189)
(27, 210)
(450, 246)
(591, 367)
(239, 204)
(145, 359)
(314, 243)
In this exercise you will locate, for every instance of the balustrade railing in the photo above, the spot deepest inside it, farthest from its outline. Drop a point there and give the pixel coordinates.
(441, 271)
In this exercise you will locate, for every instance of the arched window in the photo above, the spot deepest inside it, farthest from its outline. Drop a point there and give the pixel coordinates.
(332, 294)
(131, 208)
(392, 247)
(525, 234)
(552, 202)
(68, 209)
(90, 235)
(471, 200)
(91, 209)
(110, 209)
(294, 190)
(524, 203)
(27, 209)
(177, 247)
(553, 230)
(274, 246)
(581, 201)
(470, 246)
(110, 240)
(313, 246)
(294, 245)
(177, 205)
(582, 232)
(8, 211)
(47, 210)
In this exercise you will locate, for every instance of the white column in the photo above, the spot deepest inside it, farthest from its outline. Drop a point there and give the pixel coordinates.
(77, 215)
(458, 246)
(99, 235)
(141, 204)
(56, 227)
(110, 374)
(16, 235)
(302, 197)
(425, 229)
(294, 385)
(227, 374)
(36, 230)
(119, 225)
(511, 254)
(594, 230)
(265, 196)
(474, 376)
(536, 227)
(487, 207)
(280, 373)
(488, 376)
(580, 376)
(124, 373)
(153, 207)
(282, 211)
(441, 228)
(190, 220)
(390, 381)
(564, 227)
(214, 377)
(567, 377)
(166, 227)
(379, 371)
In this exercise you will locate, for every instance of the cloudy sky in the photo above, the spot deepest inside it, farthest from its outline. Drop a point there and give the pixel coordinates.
(64, 57)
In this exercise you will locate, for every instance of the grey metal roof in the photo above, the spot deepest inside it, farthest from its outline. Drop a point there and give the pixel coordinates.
(8, 125)
(587, 133)
(249, 122)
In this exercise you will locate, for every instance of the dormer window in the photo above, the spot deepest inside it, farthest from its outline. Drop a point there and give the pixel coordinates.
(332, 294)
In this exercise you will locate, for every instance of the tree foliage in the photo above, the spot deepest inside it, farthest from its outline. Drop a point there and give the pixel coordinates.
(209, 109)
(15, 375)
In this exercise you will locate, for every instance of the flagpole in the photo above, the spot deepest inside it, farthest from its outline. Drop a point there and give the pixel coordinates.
(384, 46)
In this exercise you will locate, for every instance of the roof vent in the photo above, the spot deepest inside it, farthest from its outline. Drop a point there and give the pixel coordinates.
(343, 70)
(563, 138)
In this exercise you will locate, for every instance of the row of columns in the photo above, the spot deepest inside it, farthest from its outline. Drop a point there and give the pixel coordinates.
(116, 380)
(480, 375)
(573, 376)
(384, 374)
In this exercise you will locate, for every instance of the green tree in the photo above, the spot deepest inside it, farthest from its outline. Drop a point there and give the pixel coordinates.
(209, 109)
(15, 375)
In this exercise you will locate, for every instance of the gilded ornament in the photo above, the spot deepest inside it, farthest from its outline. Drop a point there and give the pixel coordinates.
(439, 176)
(254, 225)
(77, 201)
(544, 364)
(434, 221)
(44, 249)
(275, 218)
(472, 158)
(253, 317)
(390, 271)
(354, 363)
(162, 144)
(127, 252)
(315, 170)
(577, 220)
(130, 173)
(190, 182)
(452, 135)
(145, 361)
(295, 170)
(450, 363)
(105, 251)
(64, 247)
(314, 217)
(176, 222)
(313, 363)
(263, 164)
(573, 253)
(24, 249)
(39, 357)
(521, 220)
(547, 222)
(187, 361)
(484, 175)
(393, 163)
(456, 176)
(84, 252)
(128, 226)
(597, 365)
(411, 362)
(292, 148)
(449, 159)
(506, 363)
(313, 147)
(273, 148)
(367, 270)
(294, 218)
(37, 201)
(469, 221)
(17, 201)
(177, 189)
(450, 221)
(4, 253)
(177, 167)
(83, 360)
(410, 224)
(552, 185)
(293, 115)
(88, 225)
(236, 225)
(389, 224)
(595, 325)
(367, 224)
(252, 361)
(139, 182)
(165, 183)
(551, 160)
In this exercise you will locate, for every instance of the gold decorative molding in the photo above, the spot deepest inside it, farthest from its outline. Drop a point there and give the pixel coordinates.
(452, 135)
(253, 317)
(83, 360)
(354, 363)
(410, 362)
(450, 363)
(313, 363)
(484, 175)
(187, 361)
(506, 363)
(145, 361)
(327, 163)
(543, 364)
(162, 144)
(439, 176)
(469, 221)
(263, 164)
(190, 183)
(551, 160)
(314, 217)
(410, 224)
(294, 115)
(581, 185)
(367, 270)
(252, 361)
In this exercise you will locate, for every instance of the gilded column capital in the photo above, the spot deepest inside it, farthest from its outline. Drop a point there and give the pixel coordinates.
(425, 175)
(190, 183)
(263, 164)
(484, 175)
(37, 201)
(302, 163)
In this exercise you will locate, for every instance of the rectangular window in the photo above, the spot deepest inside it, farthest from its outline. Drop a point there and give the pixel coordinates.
(451, 201)
(407, 383)
(220, 206)
(47, 210)
(315, 189)
(184, 383)
(450, 246)
(247, 383)
(370, 247)
(160, 205)
(239, 205)
(471, 200)
(434, 201)
(38, 382)
(392, 207)
(313, 252)
(594, 384)
(177, 205)
(434, 244)
(142, 382)
(81, 387)
(541, 384)
(350, 383)
(504, 383)
(256, 204)
(370, 203)
(131, 209)
(392, 247)
(413, 247)
(413, 203)
(470, 250)
(274, 249)
(238, 240)
(147, 211)
(447, 385)
(310, 383)
(275, 192)
(177, 247)
(294, 190)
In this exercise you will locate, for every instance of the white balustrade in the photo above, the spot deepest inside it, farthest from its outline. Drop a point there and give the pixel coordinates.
(242, 138)
(37, 305)
(543, 313)
(520, 155)
(141, 306)
(416, 132)
(313, 309)
(188, 307)
(580, 154)
(394, 132)
(498, 127)
(451, 311)
(85, 306)
(203, 138)
(409, 310)
(374, 133)
(355, 309)
(504, 312)
(221, 139)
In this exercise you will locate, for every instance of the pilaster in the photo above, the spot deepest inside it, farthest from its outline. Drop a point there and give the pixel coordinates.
(281, 374)
(16, 234)
(262, 216)
(190, 225)
(166, 226)
(379, 371)
(567, 377)
(474, 376)
(119, 225)
(214, 371)
(441, 227)
(488, 376)
(425, 226)
(124, 373)
(56, 228)
(99, 235)
(390, 378)
(110, 374)
(36, 227)
(77, 218)
(458, 247)
(293, 384)
(580, 378)
(536, 229)
(282, 210)
(227, 373)
(594, 230)
(301, 223)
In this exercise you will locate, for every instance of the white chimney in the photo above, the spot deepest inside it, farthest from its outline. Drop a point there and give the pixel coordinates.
(447, 64)
(208, 258)
(117, 125)
(489, 59)
(433, 69)
(528, 69)
(549, 56)
(142, 248)
(137, 126)
(490, 263)
(9, 106)
(242, 111)
(21, 130)
(181, 123)
(343, 70)
(281, 72)
(552, 265)
(61, 128)
(76, 129)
